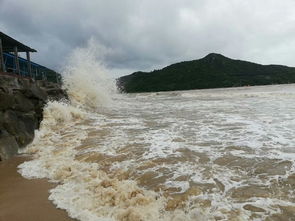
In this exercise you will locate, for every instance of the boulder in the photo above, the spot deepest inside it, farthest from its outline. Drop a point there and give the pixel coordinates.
(8, 146)
(22, 103)
(21, 110)
(7, 82)
(21, 126)
(7, 100)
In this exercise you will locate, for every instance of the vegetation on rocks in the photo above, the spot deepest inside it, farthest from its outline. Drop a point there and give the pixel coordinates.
(212, 71)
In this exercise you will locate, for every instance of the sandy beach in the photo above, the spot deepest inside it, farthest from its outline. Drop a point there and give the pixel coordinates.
(25, 200)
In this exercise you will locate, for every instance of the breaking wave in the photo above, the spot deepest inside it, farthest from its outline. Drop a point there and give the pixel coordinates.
(86, 190)
(86, 79)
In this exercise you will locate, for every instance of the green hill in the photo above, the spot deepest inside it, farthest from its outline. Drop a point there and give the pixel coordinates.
(212, 71)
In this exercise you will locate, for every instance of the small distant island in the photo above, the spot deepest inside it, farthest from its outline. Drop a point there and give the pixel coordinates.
(212, 71)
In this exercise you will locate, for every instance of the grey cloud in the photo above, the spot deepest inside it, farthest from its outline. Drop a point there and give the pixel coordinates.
(147, 34)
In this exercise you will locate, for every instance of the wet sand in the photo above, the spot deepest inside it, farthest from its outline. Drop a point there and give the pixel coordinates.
(22, 199)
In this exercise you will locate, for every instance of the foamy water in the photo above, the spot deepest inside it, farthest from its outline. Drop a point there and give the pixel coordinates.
(222, 154)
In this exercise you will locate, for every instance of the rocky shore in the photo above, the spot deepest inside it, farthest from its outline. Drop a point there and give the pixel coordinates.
(21, 110)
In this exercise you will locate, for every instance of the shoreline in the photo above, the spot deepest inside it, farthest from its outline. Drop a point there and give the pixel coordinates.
(25, 199)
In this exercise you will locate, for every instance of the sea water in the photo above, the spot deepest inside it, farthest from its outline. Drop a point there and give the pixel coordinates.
(217, 154)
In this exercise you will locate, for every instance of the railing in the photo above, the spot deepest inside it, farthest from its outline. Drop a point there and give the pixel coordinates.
(38, 72)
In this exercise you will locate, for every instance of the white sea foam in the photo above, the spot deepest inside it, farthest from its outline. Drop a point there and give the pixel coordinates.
(86, 192)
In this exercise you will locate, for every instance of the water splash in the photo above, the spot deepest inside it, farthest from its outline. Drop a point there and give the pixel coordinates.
(86, 79)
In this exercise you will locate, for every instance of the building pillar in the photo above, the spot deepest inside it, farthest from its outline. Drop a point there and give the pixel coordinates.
(29, 64)
(16, 61)
(2, 66)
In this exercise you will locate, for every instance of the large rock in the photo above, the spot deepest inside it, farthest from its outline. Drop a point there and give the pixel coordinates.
(35, 92)
(6, 100)
(8, 83)
(20, 125)
(8, 146)
(21, 111)
(22, 103)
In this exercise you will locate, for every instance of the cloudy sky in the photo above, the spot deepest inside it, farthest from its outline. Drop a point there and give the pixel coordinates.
(149, 34)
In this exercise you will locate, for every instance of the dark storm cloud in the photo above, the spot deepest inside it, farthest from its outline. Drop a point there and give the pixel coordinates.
(146, 34)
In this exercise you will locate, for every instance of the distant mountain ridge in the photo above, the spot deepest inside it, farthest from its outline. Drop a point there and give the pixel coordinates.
(212, 71)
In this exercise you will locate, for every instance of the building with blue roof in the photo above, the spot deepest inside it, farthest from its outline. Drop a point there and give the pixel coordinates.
(12, 63)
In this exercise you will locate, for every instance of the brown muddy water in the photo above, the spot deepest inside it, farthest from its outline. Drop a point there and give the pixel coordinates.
(221, 154)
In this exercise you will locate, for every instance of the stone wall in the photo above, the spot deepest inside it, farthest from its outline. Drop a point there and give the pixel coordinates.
(21, 111)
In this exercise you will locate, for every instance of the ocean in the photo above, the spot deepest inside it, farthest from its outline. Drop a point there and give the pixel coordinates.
(220, 154)
(215, 154)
